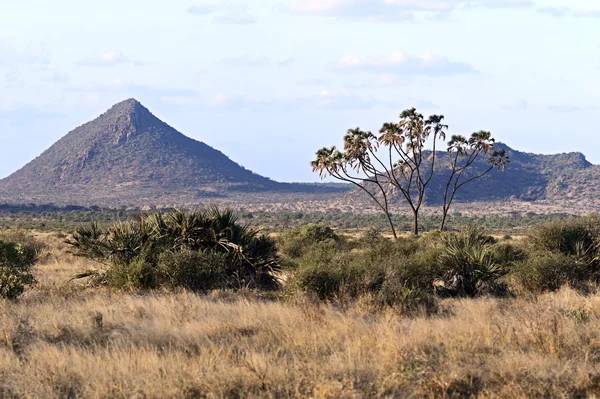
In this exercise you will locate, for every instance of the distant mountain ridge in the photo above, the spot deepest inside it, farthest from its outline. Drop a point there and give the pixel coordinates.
(128, 155)
(528, 177)
(533, 177)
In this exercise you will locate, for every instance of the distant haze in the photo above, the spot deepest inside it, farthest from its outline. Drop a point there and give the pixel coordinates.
(269, 82)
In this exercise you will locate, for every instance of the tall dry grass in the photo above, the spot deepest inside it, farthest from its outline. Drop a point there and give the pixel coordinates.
(182, 345)
(61, 340)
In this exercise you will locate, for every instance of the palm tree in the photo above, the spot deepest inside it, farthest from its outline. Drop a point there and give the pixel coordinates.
(251, 256)
(462, 154)
(398, 161)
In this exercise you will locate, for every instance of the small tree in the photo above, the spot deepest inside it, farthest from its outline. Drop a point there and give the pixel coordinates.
(398, 163)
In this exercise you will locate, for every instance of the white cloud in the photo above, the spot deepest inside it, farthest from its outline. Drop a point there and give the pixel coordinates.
(286, 62)
(314, 82)
(59, 76)
(555, 11)
(25, 114)
(229, 102)
(387, 78)
(201, 9)
(427, 105)
(395, 9)
(108, 59)
(13, 81)
(254, 61)
(318, 6)
(404, 64)
(219, 100)
(499, 3)
(371, 9)
(325, 99)
(340, 100)
(224, 13)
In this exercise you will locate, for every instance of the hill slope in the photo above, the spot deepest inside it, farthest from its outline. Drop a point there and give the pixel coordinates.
(129, 155)
(528, 177)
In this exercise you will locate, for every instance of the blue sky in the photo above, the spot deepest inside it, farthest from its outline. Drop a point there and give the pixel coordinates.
(268, 82)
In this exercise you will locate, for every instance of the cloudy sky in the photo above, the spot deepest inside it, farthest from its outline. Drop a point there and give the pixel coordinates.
(268, 82)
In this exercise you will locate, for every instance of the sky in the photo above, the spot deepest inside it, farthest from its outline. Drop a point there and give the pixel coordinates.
(269, 82)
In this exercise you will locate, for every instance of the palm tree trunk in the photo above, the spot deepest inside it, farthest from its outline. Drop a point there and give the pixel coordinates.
(444, 216)
(416, 225)
(389, 218)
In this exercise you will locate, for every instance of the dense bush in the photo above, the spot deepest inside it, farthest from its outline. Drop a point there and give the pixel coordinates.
(393, 274)
(182, 249)
(210, 250)
(371, 237)
(16, 262)
(577, 237)
(561, 253)
(408, 272)
(470, 264)
(294, 243)
(35, 247)
(136, 273)
(549, 271)
(195, 270)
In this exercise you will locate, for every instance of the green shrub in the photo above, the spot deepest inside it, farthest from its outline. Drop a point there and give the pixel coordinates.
(316, 233)
(137, 273)
(294, 243)
(34, 247)
(411, 297)
(508, 253)
(562, 252)
(575, 237)
(134, 249)
(16, 262)
(194, 270)
(431, 238)
(371, 237)
(548, 271)
(320, 270)
(393, 274)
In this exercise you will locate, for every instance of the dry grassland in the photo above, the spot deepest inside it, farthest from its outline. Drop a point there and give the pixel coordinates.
(61, 340)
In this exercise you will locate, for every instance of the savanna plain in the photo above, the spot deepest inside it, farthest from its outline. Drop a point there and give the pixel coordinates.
(322, 313)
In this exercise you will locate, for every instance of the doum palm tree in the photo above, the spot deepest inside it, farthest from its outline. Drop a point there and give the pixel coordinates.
(398, 164)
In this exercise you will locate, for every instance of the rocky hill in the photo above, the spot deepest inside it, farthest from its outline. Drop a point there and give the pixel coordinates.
(528, 177)
(534, 177)
(129, 156)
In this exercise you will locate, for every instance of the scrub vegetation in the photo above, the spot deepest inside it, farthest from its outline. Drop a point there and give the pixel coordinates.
(198, 304)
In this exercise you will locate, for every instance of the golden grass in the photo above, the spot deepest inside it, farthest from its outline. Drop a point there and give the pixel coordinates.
(62, 341)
